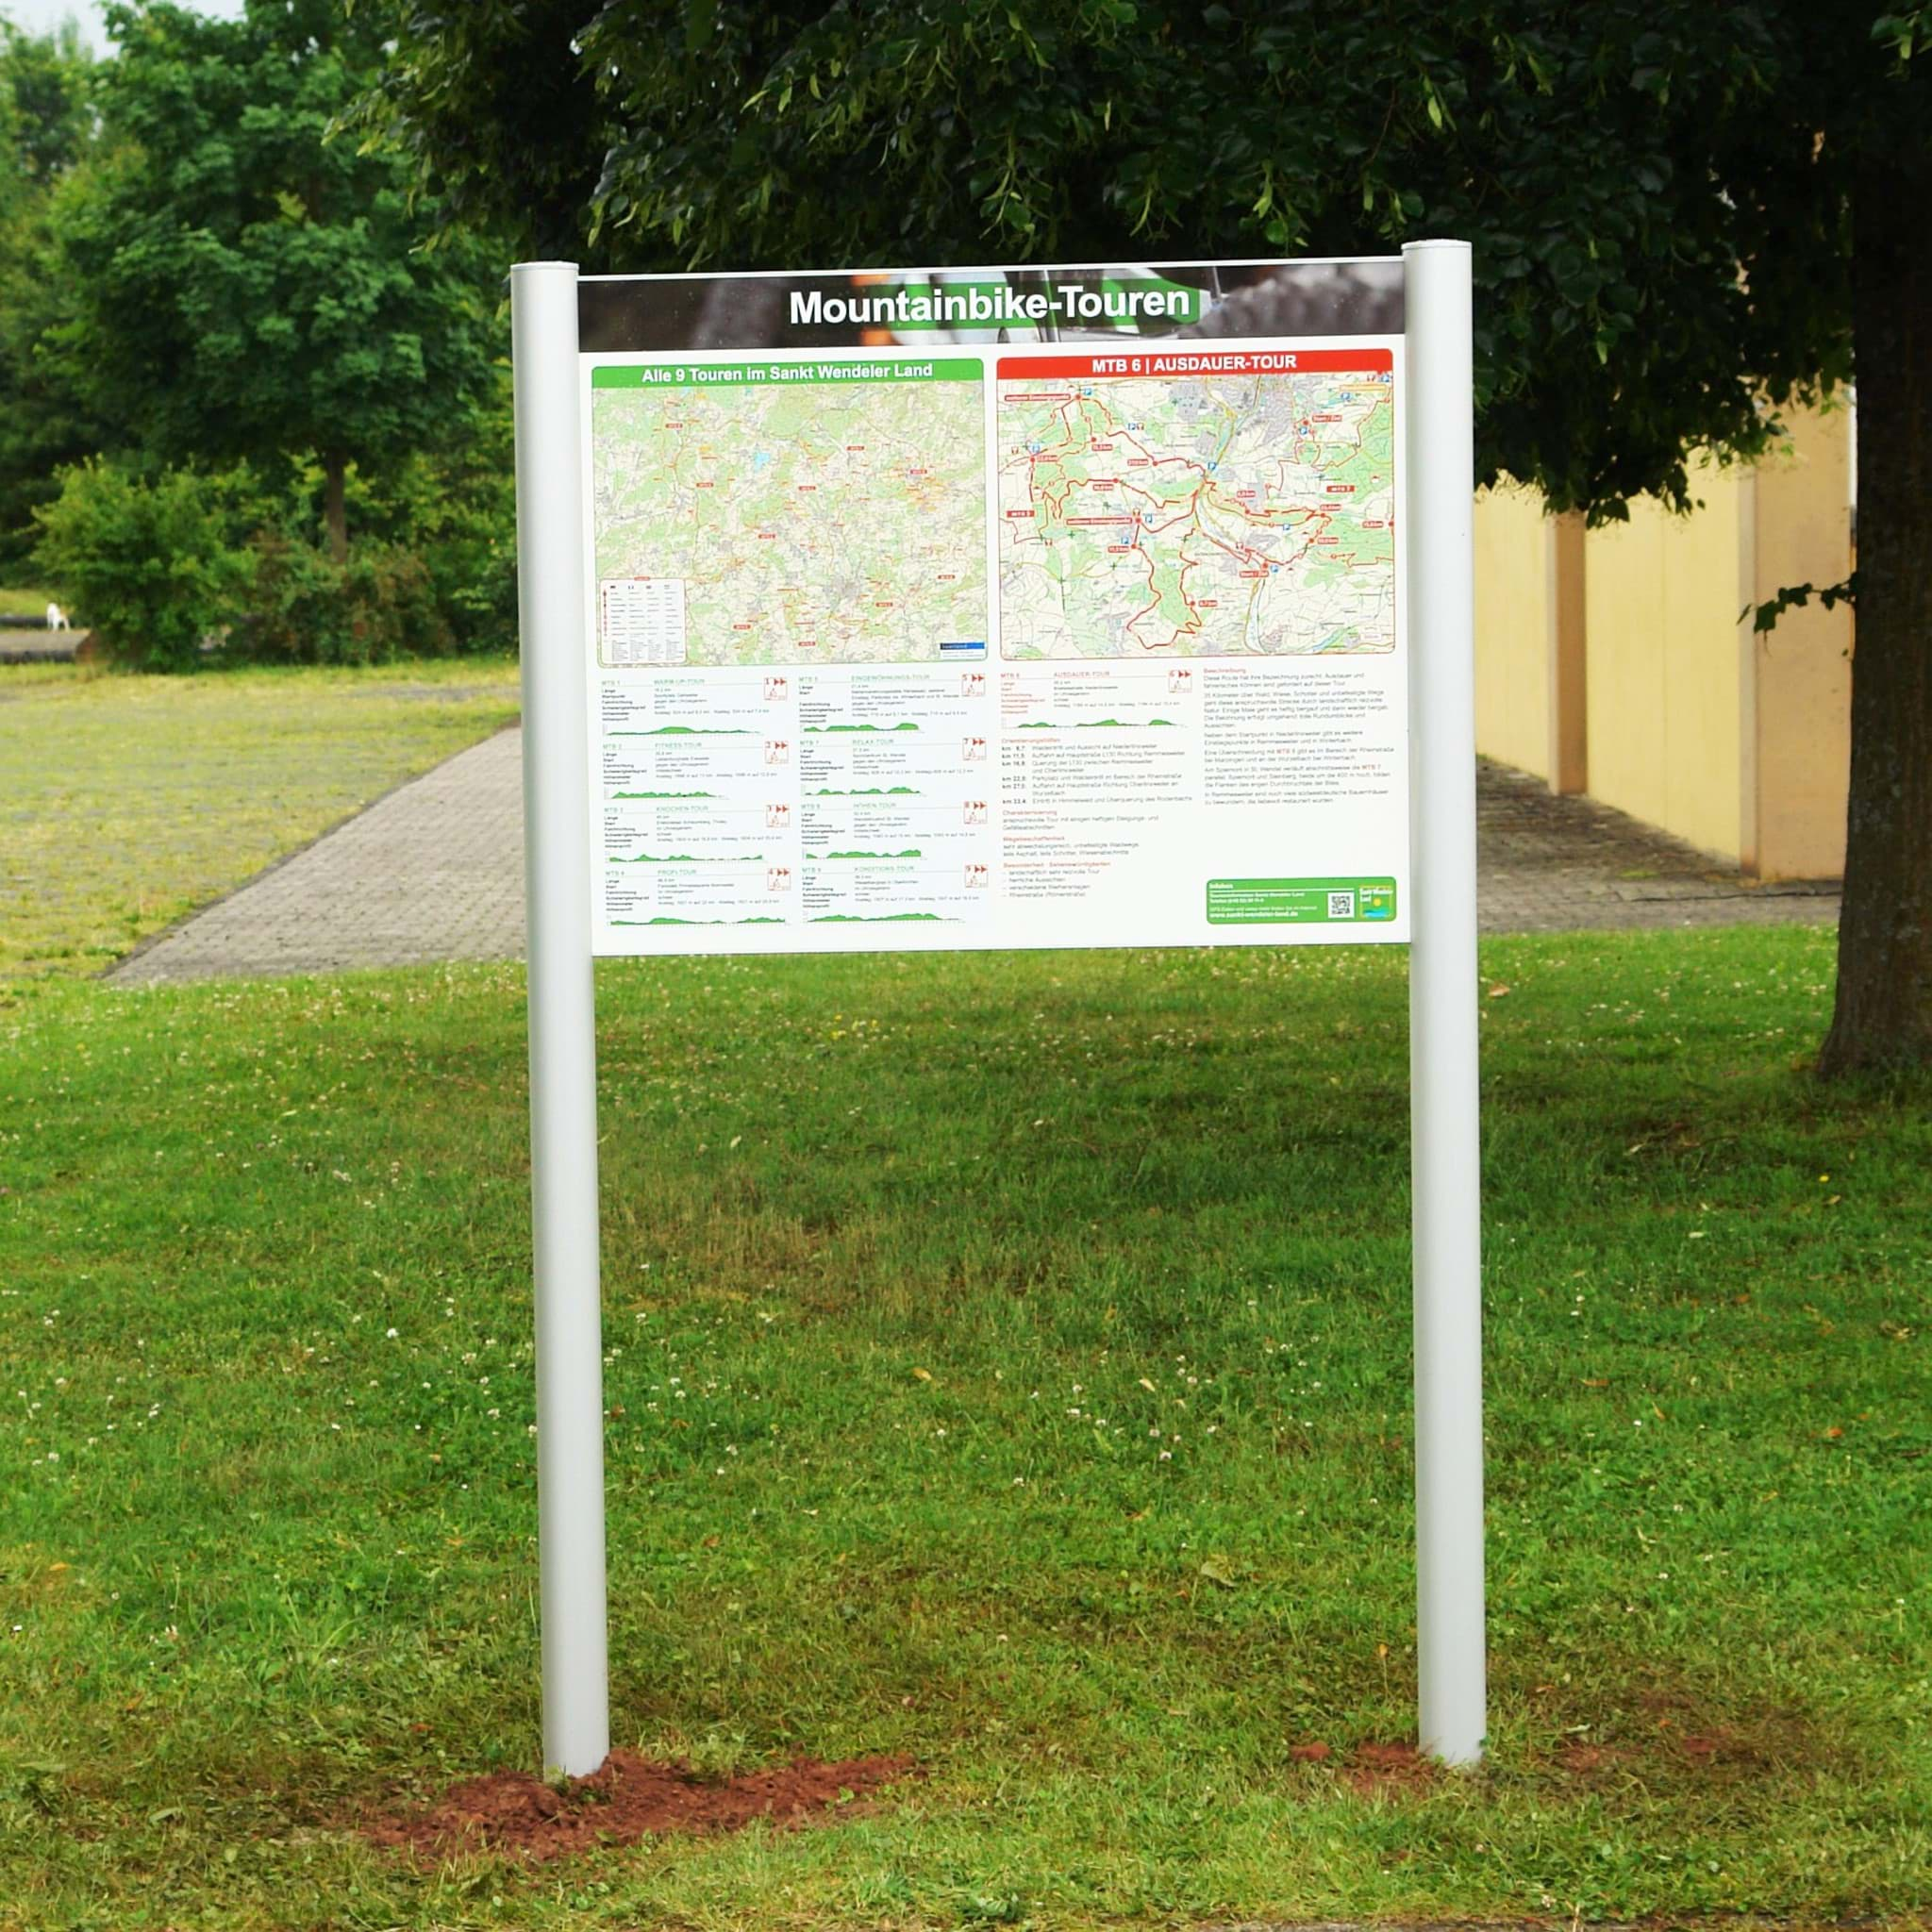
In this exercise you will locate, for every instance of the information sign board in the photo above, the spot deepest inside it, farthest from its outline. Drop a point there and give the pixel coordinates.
(999, 608)
(967, 608)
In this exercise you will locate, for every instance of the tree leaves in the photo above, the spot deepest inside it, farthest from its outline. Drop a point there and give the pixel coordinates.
(1656, 196)
(1764, 616)
(245, 286)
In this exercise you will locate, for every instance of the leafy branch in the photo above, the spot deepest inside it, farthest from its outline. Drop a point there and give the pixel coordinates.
(1765, 616)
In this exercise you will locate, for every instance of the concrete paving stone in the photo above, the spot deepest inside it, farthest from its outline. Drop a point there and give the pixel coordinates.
(435, 871)
(1548, 864)
(432, 872)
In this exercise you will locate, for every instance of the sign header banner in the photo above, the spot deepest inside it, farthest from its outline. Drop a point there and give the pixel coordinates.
(990, 306)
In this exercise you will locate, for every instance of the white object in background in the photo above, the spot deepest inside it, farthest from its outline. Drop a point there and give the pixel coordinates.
(57, 618)
(1444, 1100)
(563, 1043)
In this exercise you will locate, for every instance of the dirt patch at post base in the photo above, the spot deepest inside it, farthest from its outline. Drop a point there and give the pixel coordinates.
(1377, 1768)
(625, 1799)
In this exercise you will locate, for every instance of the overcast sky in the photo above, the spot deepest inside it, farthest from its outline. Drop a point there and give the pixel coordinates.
(37, 16)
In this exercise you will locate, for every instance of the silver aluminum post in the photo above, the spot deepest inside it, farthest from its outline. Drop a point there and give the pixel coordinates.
(1445, 1102)
(563, 1043)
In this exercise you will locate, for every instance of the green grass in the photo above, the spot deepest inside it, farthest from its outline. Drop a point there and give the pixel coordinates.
(128, 801)
(1141, 1219)
(24, 600)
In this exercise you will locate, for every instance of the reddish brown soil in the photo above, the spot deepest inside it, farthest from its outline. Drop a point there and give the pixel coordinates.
(1371, 1770)
(1715, 1752)
(627, 1798)
(1391, 1768)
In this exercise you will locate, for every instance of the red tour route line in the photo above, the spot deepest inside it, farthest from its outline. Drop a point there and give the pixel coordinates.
(1145, 366)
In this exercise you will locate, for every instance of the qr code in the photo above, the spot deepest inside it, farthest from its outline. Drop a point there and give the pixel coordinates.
(1341, 905)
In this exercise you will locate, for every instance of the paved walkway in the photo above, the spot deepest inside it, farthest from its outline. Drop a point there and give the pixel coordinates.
(432, 872)
(435, 871)
(1549, 864)
(20, 644)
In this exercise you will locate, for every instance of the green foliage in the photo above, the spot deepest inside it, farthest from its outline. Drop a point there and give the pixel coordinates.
(304, 608)
(180, 567)
(473, 568)
(1658, 196)
(152, 563)
(46, 129)
(298, 606)
(493, 102)
(1764, 616)
(456, 509)
(1906, 33)
(213, 279)
(46, 96)
(245, 286)
(43, 425)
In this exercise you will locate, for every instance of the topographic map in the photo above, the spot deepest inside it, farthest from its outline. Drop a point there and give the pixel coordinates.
(804, 515)
(1197, 515)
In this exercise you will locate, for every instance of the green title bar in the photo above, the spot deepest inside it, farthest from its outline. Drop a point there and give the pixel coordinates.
(1301, 901)
(779, 374)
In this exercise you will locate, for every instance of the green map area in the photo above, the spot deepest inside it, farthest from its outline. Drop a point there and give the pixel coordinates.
(794, 513)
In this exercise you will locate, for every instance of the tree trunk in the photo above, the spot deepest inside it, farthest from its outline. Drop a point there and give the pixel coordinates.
(334, 510)
(1883, 1016)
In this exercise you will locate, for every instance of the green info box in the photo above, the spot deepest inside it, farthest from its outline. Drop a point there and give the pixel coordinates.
(1300, 901)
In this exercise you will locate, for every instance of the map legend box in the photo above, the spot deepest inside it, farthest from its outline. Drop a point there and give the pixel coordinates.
(640, 621)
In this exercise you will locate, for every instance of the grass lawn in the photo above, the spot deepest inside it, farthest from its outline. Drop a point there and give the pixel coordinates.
(127, 801)
(1007, 1364)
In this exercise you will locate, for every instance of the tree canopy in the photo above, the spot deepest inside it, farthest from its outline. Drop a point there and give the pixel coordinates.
(246, 287)
(46, 118)
(1659, 195)
(47, 128)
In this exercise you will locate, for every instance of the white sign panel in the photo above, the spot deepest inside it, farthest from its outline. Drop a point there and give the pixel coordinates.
(1043, 622)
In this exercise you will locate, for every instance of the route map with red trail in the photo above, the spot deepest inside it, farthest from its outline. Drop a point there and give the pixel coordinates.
(1196, 504)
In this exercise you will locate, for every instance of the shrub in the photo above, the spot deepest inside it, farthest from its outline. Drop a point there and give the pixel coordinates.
(394, 593)
(150, 561)
(174, 568)
(295, 611)
(456, 511)
(474, 572)
(304, 608)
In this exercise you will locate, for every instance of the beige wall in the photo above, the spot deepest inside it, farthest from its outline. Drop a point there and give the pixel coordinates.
(1797, 725)
(1619, 659)
(1513, 615)
(1661, 597)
